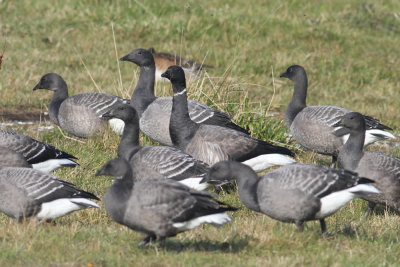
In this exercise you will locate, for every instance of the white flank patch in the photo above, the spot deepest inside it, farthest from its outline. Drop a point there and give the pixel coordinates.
(52, 164)
(195, 183)
(63, 206)
(214, 219)
(333, 202)
(370, 136)
(117, 125)
(263, 162)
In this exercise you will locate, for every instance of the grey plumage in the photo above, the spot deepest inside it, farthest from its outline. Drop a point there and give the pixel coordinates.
(10, 158)
(382, 168)
(313, 126)
(293, 193)
(27, 193)
(40, 155)
(155, 161)
(211, 143)
(155, 112)
(79, 114)
(158, 208)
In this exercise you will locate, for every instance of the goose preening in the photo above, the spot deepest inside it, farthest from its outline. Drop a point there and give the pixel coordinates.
(11, 158)
(164, 60)
(26, 192)
(159, 208)
(155, 112)
(313, 126)
(155, 161)
(40, 155)
(212, 143)
(294, 193)
(79, 114)
(383, 169)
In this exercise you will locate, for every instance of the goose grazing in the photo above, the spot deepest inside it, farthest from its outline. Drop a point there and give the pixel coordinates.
(159, 208)
(313, 126)
(41, 156)
(382, 168)
(10, 158)
(79, 114)
(155, 112)
(212, 143)
(31, 193)
(164, 60)
(294, 193)
(155, 161)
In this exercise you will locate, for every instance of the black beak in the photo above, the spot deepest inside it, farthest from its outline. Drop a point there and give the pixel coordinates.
(337, 124)
(100, 172)
(125, 58)
(36, 87)
(284, 75)
(166, 75)
(108, 114)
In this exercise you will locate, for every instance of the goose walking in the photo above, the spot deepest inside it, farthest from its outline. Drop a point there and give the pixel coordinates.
(155, 112)
(159, 208)
(40, 155)
(79, 114)
(313, 126)
(31, 193)
(294, 193)
(382, 168)
(212, 143)
(155, 161)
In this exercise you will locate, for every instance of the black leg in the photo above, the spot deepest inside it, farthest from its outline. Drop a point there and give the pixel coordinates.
(300, 226)
(146, 242)
(334, 161)
(323, 225)
(371, 206)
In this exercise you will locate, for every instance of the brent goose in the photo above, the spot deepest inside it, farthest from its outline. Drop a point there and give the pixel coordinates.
(313, 126)
(383, 169)
(212, 143)
(31, 193)
(159, 208)
(294, 193)
(79, 114)
(155, 161)
(40, 155)
(11, 158)
(155, 112)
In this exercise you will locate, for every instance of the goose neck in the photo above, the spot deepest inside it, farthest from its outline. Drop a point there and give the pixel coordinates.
(130, 138)
(351, 152)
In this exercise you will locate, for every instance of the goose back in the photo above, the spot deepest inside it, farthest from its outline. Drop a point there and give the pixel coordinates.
(11, 158)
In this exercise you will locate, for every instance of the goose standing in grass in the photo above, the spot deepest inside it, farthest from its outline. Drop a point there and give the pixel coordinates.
(383, 169)
(313, 126)
(212, 143)
(294, 193)
(40, 155)
(159, 208)
(79, 114)
(155, 161)
(164, 60)
(28, 193)
(155, 112)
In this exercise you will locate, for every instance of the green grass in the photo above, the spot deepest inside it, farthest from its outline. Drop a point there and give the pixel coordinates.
(350, 50)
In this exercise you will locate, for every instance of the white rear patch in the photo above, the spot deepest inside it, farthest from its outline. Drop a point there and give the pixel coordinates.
(63, 206)
(263, 162)
(214, 219)
(195, 183)
(52, 164)
(117, 125)
(371, 136)
(333, 202)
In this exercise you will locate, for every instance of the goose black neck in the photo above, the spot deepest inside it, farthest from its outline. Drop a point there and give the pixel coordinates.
(247, 182)
(59, 96)
(130, 138)
(298, 101)
(144, 91)
(181, 127)
(351, 152)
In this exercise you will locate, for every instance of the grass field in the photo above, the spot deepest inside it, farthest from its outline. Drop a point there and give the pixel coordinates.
(350, 50)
